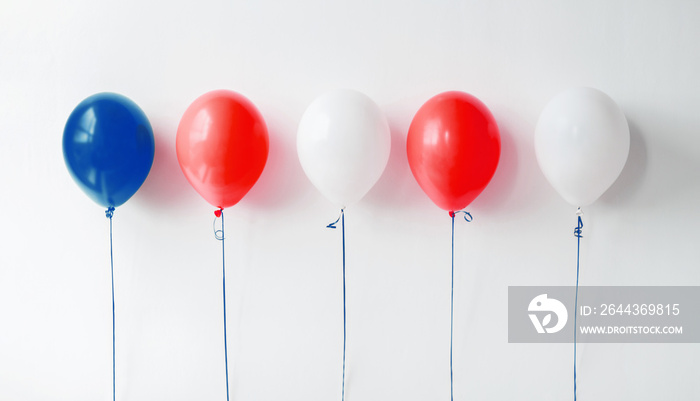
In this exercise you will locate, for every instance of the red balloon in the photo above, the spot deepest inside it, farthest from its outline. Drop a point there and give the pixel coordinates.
(222, 146)
(453, 148)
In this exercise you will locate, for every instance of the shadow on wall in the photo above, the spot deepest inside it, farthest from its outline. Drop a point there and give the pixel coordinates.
(166, 185)
(497, 193)
(282, 182)
(630, 180)
(397, 188)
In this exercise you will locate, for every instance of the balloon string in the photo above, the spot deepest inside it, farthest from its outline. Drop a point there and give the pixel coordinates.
(467, 218)
(332, 225)
(578, 233)
(219, 235)
(452, 303)
(341, 218)
(109, 213)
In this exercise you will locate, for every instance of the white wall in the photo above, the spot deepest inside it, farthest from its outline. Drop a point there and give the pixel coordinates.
(284, 271)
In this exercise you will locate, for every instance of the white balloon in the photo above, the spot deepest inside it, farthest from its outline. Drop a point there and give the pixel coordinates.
(343, 144)
(581, 141)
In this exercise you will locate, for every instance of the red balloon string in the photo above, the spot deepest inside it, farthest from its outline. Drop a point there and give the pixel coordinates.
(219, 234)
(452, 294)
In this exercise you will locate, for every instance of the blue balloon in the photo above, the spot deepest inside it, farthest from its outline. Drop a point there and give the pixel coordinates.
(108, 147)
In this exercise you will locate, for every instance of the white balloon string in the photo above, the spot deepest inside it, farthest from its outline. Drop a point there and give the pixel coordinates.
(578, 233)
(341, 218)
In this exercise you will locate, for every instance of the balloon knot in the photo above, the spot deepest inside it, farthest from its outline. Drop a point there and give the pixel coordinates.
(109, 212)
(219, 232)
(452, 214)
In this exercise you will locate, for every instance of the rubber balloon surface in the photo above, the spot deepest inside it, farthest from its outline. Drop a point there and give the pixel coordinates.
(453, 148)
(343, 142)
(222, 146)
(582, 141)
(108, 147)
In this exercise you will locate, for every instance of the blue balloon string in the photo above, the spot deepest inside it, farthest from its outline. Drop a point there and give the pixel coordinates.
(109, 213)
(578, 233)
(341, 218)
(467, 218)
(219, 235)
(332, 225)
